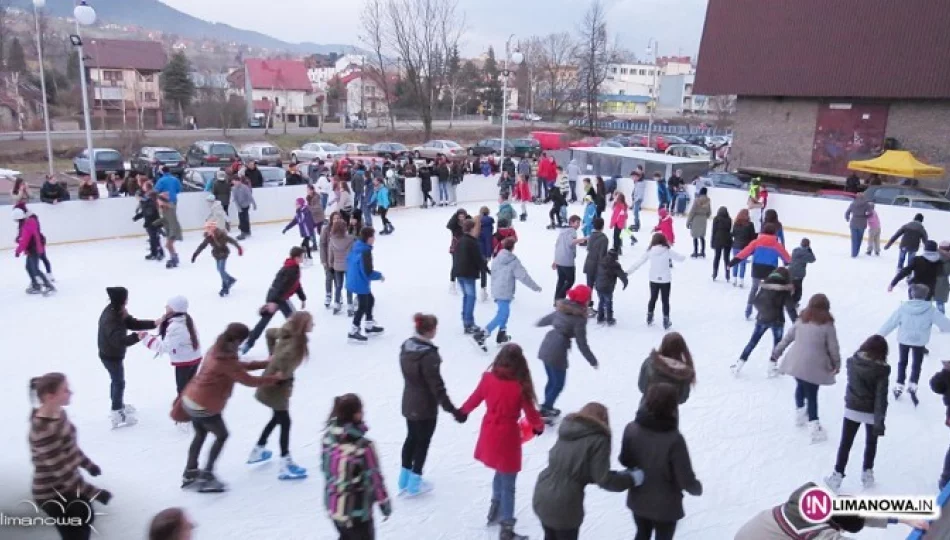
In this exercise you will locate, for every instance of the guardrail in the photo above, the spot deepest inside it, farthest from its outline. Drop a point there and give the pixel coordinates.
(658, 128)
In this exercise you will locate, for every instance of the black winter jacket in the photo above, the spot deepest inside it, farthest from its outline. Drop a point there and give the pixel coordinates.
(911, 235)
(454, 226)
(53, 192)
(286, 283)
(221, 189)
(597, 246)
(608, 273)
(940, 383)
(255, 177)
(923, 269)
(148, 213)
(424, 389)
(743, 235)
(721, 233)
(773, 299)
(867, 388)
(467, 261)
(114, 336)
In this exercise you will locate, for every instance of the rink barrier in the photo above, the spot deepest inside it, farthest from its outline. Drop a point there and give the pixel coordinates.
(87, 221)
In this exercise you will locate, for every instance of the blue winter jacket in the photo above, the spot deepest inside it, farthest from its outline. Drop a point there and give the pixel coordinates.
(590, 212)
(913, 321)
(359, 268)
(171, 185)
(485, 244)
(381, 197)
(662, 191)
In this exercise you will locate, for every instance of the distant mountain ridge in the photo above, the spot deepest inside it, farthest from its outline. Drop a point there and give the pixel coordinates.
(154, 15)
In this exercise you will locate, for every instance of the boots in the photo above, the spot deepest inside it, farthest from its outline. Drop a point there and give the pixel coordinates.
(404, 475)
(508, 531)
(502, 337)
(801, 417)
(493, 510)
(818, 434)
(650, 319)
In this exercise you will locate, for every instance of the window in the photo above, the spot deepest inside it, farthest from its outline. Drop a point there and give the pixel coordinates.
(623, 71)
(147, 96)
(621, 92)
(643, 72)
(613, 70)
(146, 77)
(110, 77)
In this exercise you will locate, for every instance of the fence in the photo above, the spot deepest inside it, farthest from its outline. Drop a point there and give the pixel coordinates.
(662, 129)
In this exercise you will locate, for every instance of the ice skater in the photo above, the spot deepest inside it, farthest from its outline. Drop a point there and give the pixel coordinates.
(506, 271)
(766, 250)
(360, 274)
(661, 257)
(243, 197)
(303, 219)
(178, 338)
(219, 240)
(338, 249)
(607, 275)
(30, 242)
(772, 301)
(286, 284)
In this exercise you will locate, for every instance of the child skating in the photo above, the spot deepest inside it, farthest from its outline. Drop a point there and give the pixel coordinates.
(219, 240)
(360, 274)
(303, 219)
(607, 275)
(381, 199)
(661, 257)
(802, 256)
(506, 271)
(177, 338)
(522, 194)
(773, 299)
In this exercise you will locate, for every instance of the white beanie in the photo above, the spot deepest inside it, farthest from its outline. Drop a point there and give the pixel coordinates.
(18, 214)
(178, 304)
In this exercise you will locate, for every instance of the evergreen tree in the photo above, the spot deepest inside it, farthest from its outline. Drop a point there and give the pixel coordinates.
(16, 58)
(492, 94)
(177, 86)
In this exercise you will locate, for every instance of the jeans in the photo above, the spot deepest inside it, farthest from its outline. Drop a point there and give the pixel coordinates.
(282, 419)
(605, 308)
(806, 391)
(542, 189)
(416, 447)
(560, 534)
(565, 280)
(503, 491)
(556, 379)
(857, 236)
(647, 527)
(848, 430)
(33, 270)
(324, 199)
(154, 243)
(244, 220)
(778, 331)
(941, 306)
(904, 256)
(637, 203)
(364, 307)
(203, 425)
(116, 371)
(338, 277)
(501, 316)
(45, 260)
(573, 184)
(283, 306)
(183, 375)
(361, 530)
(468, 301)
(226, 278)
(659, 290)
(443, 191)
(918, 359)
(739, 269)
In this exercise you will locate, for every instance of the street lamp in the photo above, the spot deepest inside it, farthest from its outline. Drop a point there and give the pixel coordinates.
(510, 58)
(653, 49)
(86, 16)
(38, 5)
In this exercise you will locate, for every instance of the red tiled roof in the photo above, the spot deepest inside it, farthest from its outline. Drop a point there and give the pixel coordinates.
(128, 54)
(266, 74)
(350, 78)
(816, 48)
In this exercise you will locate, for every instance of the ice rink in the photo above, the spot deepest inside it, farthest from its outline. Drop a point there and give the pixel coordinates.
(741, 436)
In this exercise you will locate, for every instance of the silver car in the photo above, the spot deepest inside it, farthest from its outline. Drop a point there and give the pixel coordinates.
(273, 176)
(264, 154)
(688, 151)
(198, 178)
(434, 149)
(317, 150)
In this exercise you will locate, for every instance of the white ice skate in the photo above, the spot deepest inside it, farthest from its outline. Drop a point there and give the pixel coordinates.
(121, 419)
(484, 295)
(898, 391)
(818, 434)
(867, 478)
(801, 417)
(834, 481)
(259, 454)
(773, 370)
(290, 470)
(737, 367)
(371, 329)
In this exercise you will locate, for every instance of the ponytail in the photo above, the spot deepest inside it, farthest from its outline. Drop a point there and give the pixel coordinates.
(190, 323)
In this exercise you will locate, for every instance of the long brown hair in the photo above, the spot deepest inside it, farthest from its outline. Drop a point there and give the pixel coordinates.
(511, 364)
(228, 342)
(189, 322)
(674, 346)
(345, 409)
(659, 240)
(742, 217)
(875, 348)
(818, 310)
(596, 412)
(46, 384)
(339, 229)
(167, 524)
(620, 199)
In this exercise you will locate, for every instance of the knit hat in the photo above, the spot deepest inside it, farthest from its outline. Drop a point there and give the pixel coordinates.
(220, 175)
(930, 245)
(301, 201)
(579, 294)
(178, 304)
(919, 291)
(118, 296)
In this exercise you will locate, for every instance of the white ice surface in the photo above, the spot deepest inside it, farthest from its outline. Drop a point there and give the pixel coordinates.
(744, 445)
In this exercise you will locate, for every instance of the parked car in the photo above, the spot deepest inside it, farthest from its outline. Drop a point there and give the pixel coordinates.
(662, 142)
(195, 179)
(389, 150)
(718, 141)
(357, 149)
(434, 149)
(586, 142)
(526, 116)
(610, 144)
(107, 161)
(698, 140)
(637, 140)
(273, 176)
(317, 150)
(550, 140)
(885, 194)
(688, 151)
(835, 194)
(485, 147)
(210, 153)
(931, 203)
(526, 148)
(147, 158)
(265, 154)
(724, 180)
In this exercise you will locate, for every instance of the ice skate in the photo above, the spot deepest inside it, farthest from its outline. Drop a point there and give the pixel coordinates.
(49, 276)
(453, 290)
(189, 478)
(223, 292)
(742, 284)
(898, 391)
(867, 478)
(372, 329)
(735, 282)
(355, 336)
(241, 236)
(667, 323)
(120, 419)
(773, 370)
(911, 391)
(350, 310)
(48, 290)
(801, 417)
(326, 302)
(417, 486)
(737, 367)
(493, 510)
(337, 308)
(35, 289)
(259, 454)
(523, 217)
(502, 337)
(290, 470)
(172, 263)
(834, 481)
(818, 433)
(551, 227)
(472, 329)
(611, 321)
(649, 319)
(484, 296)
(508, 531)
(404, 475)
(208, 483)
(479, 337)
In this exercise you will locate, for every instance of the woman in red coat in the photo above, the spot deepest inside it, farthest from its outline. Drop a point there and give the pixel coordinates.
(507, 390)
(618, 220)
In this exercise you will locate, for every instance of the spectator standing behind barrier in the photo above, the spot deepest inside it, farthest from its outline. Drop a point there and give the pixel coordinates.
(52, 192)
(88, 190)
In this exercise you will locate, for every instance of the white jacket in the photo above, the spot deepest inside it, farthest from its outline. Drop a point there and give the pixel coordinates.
(176, 344)
(661, 259)
(323, 186)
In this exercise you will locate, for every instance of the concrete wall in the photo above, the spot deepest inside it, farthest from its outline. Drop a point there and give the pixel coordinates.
(923, 127)
(774, 133)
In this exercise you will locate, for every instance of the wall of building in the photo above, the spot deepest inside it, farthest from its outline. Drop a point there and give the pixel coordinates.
(293, 100)
(133, 86)
(923, 127)
(774, 133)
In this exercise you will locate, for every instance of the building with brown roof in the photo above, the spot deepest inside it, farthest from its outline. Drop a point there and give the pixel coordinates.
(821, 83)
(282, 88)
(124, 82)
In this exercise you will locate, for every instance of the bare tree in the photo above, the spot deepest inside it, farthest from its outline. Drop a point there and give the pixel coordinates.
(376, 38)
(554, 58)
(4, 29)
(594, 55)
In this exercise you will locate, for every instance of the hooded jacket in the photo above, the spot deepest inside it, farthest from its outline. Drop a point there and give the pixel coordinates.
(814, 355)
(114, 336)
(923, 269)
(913, 321)
(665, 226)
(569, 323)
(499, 237)
(254, 176)
(867, 388)
(858, 212)
(176, 342)
(663, 369)
(506, 271)
(773, 299)
(608, 273)
(485, 232)
(286, 283)
(287, 351)
(218, 216)
(743, 234)
(221, 189)
(661, 259)
(148, 212)
(30, 240)
(580, 457)
(801, 258)
(721, 232)
(597, 246)
(316, 209)
(766, 250)
(506, 212)
(338, 249)
(52, 192)
(359, 269)
(698, 218)
(303, 219)
(211, 388)
(911, 235)
(468, 261)
(618, 217)
(424, 390)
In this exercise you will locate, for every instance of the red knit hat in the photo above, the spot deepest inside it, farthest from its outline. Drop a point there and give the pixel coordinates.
(580, 294)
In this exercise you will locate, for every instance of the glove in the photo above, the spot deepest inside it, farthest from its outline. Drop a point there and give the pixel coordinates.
(104, 496)
(94, 470)
(538, 431)
(240, 252)
(460, 417)
(637, 475)
(624, 286)
(879, 429)
(193, 259)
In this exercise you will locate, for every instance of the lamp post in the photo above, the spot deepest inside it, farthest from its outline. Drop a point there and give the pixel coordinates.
(652, 48)
(38, 5)
(510, 58)
(86, 16)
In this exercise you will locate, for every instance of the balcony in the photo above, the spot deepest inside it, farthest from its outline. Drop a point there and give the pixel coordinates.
(108, 93)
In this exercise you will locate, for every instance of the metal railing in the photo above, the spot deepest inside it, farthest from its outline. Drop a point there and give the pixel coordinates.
(662, 129)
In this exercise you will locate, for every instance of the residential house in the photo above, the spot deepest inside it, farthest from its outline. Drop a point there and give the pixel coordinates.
(281, 90)
(822, 83)
(124, 84)
(364, 94)
(631, 79)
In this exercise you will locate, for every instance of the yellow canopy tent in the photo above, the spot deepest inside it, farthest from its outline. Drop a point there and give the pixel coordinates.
(897, 163)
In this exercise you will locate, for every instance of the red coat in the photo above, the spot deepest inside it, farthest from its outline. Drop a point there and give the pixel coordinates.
(30, 241)
(522, 191)
(618, 219)
(665, 226)
(547, 170)
(499, 441)
(500, 236)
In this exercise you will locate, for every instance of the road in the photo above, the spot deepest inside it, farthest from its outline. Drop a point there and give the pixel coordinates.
(292, 130)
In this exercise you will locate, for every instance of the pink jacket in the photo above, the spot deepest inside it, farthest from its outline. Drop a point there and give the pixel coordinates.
(30, 240)
(618, 219)
(665, 226)
(874, 220)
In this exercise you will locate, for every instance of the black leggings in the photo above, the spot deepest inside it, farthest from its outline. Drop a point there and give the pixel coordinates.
(416, 447)
(65, 511)
(661, 290)
(618, 245)
(364, 307)
(647, 527)
(426, 198)
(203, 425)
(699, 245)
(45, 261)
(382, 215)
(848, 431)
(918, 360)
(183, 375)
(361, 530)
(305, 244)
(282, 419)
(565, 280)
(555, 214)
(722, 253)
(329, 279)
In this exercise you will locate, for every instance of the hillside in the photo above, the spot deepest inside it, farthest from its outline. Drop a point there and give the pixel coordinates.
(155, 15)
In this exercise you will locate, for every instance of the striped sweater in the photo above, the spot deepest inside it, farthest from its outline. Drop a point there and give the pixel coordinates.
(354, 481)
(57, 460)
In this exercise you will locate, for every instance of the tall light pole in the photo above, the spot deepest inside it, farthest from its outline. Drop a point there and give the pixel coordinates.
(38, 5)
(510, 58)
(652, 48)
(86, 16)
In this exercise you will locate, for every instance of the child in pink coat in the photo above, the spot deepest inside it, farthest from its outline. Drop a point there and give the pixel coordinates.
(665, 226)
(618, 220)
(874, 231)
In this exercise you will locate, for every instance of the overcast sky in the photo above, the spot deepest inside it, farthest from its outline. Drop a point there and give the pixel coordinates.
(676, 24)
